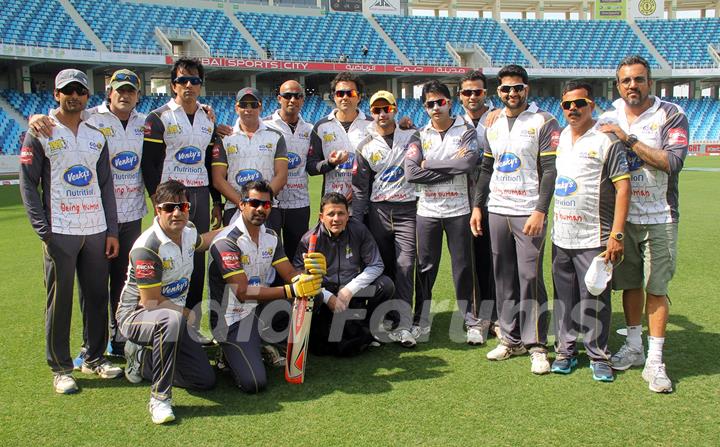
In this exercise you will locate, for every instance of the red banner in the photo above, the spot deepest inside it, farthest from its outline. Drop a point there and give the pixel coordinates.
(712, 148)
(272, 65)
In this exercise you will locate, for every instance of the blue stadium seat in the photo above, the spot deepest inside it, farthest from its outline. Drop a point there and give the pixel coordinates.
(40, 23)
(683, 42)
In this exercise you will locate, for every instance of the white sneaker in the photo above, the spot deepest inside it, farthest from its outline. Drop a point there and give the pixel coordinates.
(404, 337)
(477, 335)
(655, 375)
(419, 332)
(65, 384)
(502, 352)
(627, 357)
(104, 369)
(539, 362)
(161, 411)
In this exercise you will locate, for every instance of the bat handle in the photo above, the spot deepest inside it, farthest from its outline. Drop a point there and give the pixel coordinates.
(312, 243)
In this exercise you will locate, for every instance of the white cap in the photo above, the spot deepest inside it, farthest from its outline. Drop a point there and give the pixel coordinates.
(598, 275)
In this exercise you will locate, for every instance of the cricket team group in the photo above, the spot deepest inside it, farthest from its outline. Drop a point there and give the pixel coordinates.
(484, 180)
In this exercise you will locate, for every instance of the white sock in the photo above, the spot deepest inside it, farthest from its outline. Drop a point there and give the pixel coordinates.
(655, 347)
(634, 337)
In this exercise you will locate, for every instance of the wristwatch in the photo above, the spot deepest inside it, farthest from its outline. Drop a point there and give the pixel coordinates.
(618, 236)
(630, 141)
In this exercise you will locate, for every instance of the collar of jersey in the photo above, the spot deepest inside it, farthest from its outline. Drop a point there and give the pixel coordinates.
(332, 117)
(490, 107)
(619, 105)
(174, 106)
(236, 127)
(457, 121)
(164, 239)
(105, 109)
(275, 118)
(532, 108)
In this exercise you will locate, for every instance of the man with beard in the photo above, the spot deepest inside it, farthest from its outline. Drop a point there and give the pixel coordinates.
(518, 173)
(656, 135)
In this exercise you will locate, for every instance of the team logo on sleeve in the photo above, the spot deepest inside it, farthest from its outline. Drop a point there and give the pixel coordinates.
(144, 269)
(147, 129)
(392, 174)
(176, 288)
(216, 151)
(125, 161)
(565, 186)
(230, 260)
(293, 160)
(508, 162)
(677, 136)
(247, 175)
(189, 155)
(78, 175)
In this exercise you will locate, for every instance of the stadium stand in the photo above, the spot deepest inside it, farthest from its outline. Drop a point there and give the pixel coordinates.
(212, 25)
(40, 23)
(318, 38)
(10, 134)
(422, 39)
(579, 43)
(683, 42)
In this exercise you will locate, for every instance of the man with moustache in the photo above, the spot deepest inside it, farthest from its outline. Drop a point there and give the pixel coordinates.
(253, 152)
(294, 199)
(516, 181)
(381, 191)
(335, 137)
(440, 166)
(592, 195)
(656, 135)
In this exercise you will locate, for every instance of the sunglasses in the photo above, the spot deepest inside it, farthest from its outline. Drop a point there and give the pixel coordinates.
(505, 88)
(579, 103)
(438, 102)
(257, 203)
(74, 88)
(126, 77)
(344, 93)
(193, 80)
(248, 104)
(170, 207)
(291, 95)
(470, 92)
(379, 109)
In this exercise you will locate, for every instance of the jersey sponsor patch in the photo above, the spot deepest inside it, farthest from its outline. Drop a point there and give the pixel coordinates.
(294, 160)
(677, 136)
(175, 288)
(412, 150)
(26, 155)
(508, 162)
(216, 151)
(144, 269)
(78, 175)
(125, 161)
(189, 155)
(247, 175)
(555, 139)
(230, 260)
(565, 186)
(392, 174)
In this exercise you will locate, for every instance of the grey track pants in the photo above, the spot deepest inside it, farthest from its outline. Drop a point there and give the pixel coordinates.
(393, 227)
(429, 250)
(176, 359)
(64, 256)
(128, 232)
(200, 216)
(519, 285)
(484, 273)
(243, 354)
(575, 310)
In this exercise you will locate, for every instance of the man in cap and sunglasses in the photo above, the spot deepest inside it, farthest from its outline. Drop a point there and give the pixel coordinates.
(67, 189)
(381, 191)
(517, 176)
(335, 137)
(252, 152)
(441, 165)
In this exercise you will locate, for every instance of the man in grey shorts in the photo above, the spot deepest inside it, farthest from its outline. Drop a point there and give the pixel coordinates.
(656, 135)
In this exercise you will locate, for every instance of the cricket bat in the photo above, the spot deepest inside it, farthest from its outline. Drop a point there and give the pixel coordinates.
(298, 337)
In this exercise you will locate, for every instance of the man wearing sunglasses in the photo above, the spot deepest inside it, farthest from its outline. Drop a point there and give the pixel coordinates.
(253, 152)
(441, 165)
(335, 137)
(656, 135)
(477, 107)
(178, 146)
(246, 257)
(381, 191)
(293, 199)
(74, 213)
(592, 195)
(152, 312)
(517, 176)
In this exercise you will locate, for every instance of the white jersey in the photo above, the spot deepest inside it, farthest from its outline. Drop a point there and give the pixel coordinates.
(75, 196)
(515, 150)
(125, 151)
(329, 135)
(232, 252)
(249, 159)
(584, 194)
(295, 193)
(157, 261)
(480, 131)
(186, 144)
(663, 126)
(451, 197)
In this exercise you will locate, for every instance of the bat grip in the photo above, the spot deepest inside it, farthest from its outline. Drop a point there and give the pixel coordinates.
(312, 243)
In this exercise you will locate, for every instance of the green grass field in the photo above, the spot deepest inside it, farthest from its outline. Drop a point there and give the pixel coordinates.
(441, 393)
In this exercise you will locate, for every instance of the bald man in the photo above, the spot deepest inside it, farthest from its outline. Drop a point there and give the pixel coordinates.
(293, 199)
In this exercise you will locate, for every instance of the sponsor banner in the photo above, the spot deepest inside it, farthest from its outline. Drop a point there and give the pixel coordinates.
(712, 148)
(23, 51)
(346, 5)
(610, 9)
(703, 149)
(646, 9)
(382, 7)
(256, 64)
